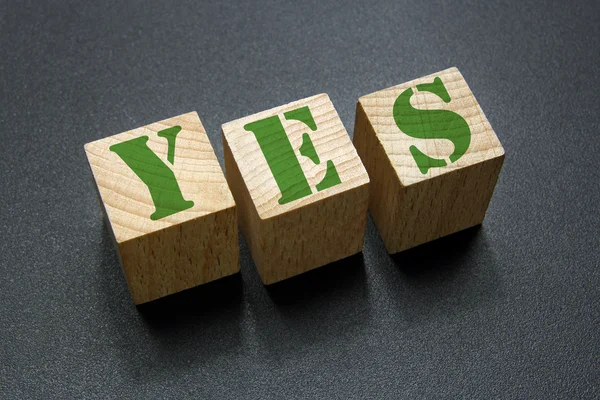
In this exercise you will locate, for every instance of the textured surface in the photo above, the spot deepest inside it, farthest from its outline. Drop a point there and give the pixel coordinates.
(509, 310)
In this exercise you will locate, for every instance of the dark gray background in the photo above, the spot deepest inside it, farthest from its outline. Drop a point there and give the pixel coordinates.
(508, 310)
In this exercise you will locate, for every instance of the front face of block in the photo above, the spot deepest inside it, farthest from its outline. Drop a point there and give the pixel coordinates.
(168, 204)
(299, 184)
(432, 156)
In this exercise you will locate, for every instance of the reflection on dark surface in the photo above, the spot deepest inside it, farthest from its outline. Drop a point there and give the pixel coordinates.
(345, 273)
(438, 256)
(212, 298)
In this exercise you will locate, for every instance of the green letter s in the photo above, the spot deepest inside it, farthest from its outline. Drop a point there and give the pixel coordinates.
(431, 124)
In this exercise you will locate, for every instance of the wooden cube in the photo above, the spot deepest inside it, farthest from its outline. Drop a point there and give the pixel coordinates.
(301, 189)
(168, 205)
(432, 156)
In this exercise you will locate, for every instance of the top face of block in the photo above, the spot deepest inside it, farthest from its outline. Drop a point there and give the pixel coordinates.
(294, 155)
(431, 126)
(157, 176)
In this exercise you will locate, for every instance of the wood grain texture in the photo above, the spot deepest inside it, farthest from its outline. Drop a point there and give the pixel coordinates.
(409, 207)
(182, 250)
(288, 239)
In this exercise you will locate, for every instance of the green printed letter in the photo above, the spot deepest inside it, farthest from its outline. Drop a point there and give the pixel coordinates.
(155, 174)
(431, 124)
(278, 151)
(281, 157)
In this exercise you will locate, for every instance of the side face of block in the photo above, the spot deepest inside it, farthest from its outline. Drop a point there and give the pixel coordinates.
(301, 189)
(432, 156)
(168, 205)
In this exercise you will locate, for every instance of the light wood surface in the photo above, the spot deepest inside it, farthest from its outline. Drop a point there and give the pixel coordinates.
(325, 226)
(408, 206)
(182, 250)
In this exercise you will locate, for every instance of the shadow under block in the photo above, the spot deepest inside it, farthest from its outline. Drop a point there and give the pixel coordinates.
(300, 187)
(432, 157)
(168, 205)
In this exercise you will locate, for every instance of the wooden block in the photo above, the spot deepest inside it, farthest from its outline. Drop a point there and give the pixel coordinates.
(301, 189)
(432, 157)
(168, 205)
